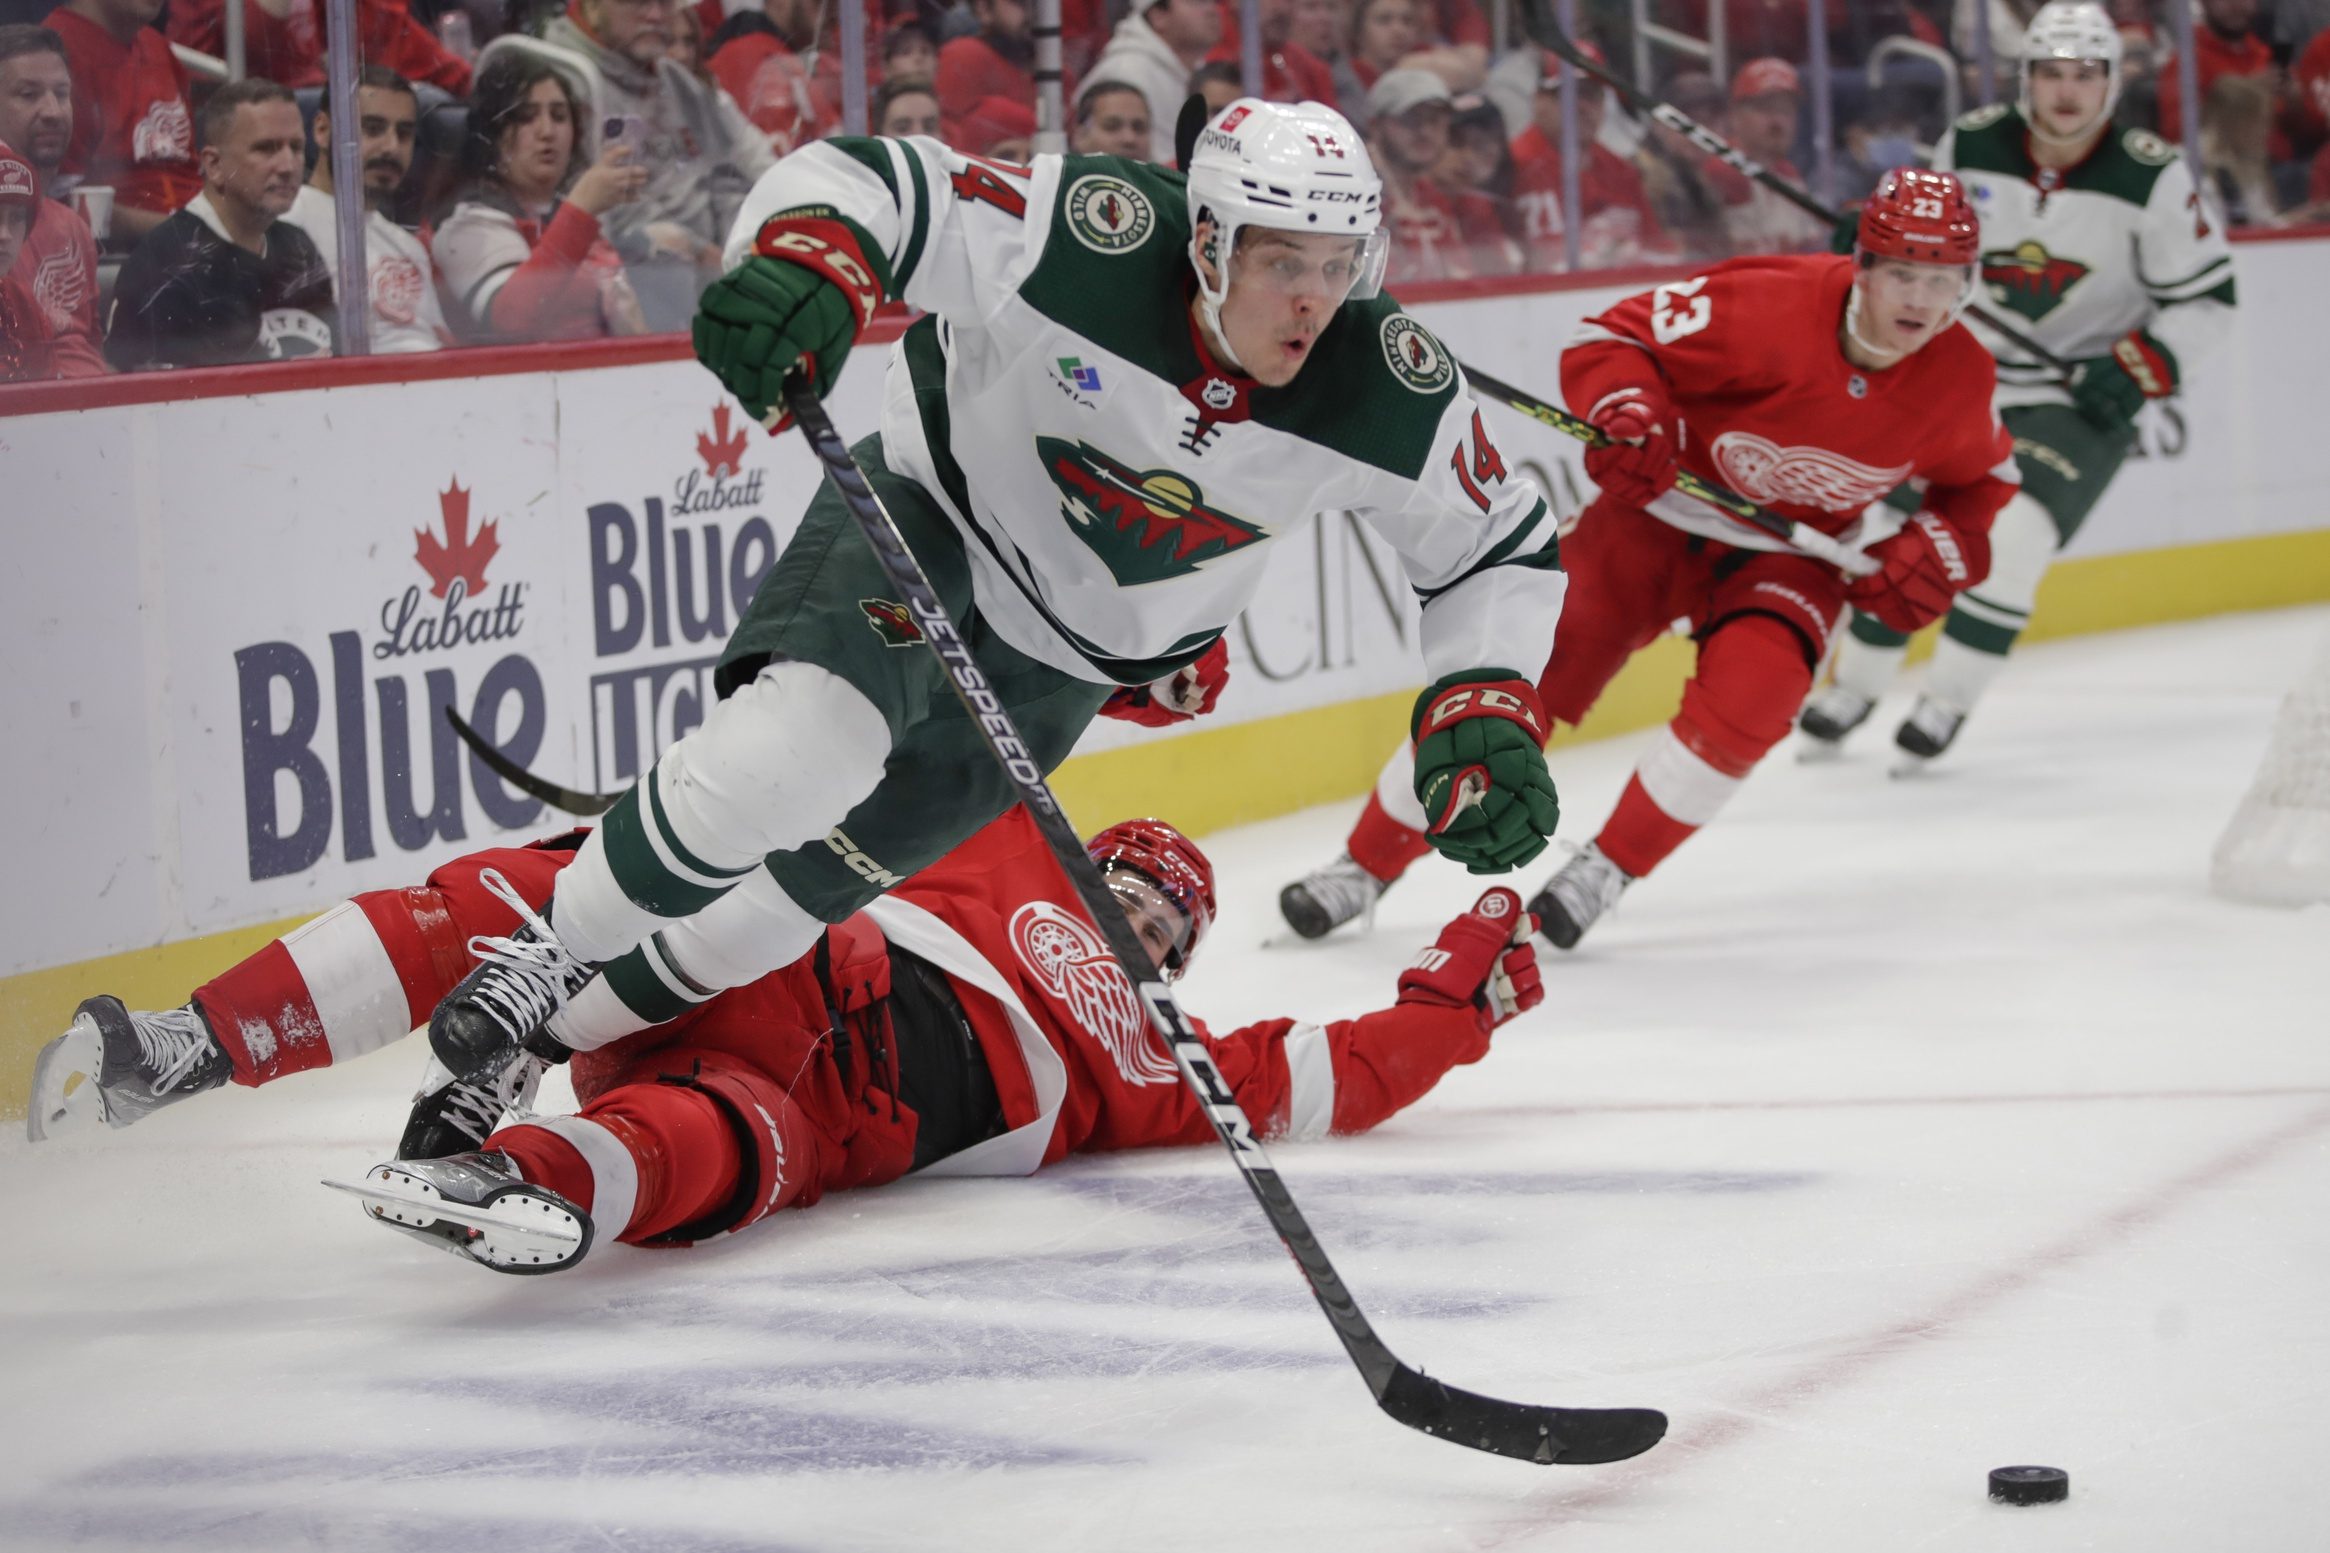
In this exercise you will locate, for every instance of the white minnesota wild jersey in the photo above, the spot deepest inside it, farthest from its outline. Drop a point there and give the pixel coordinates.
(1117, 492)
(2123, 241)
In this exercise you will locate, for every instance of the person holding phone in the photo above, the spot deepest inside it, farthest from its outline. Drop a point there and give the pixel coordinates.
(524, 254)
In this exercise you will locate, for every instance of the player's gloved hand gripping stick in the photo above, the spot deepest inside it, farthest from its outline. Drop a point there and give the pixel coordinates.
(1799, 536)
(1517, 1429)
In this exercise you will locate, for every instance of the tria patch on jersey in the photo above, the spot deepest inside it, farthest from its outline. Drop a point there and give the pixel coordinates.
(1416, 359)
(2028, 279)
(1107, 214)
(1146, 526)
(891, 622)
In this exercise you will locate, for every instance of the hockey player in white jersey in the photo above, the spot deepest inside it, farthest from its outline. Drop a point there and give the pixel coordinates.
(2096, 241)
(1128, 388)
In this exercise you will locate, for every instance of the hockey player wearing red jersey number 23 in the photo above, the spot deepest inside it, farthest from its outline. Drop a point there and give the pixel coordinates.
(971, 1022)
(1813, 385)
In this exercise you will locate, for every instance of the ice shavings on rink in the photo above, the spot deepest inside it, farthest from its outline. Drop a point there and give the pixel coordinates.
(1892, 1132)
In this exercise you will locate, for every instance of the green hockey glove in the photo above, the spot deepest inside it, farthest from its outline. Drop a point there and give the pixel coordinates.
(1480, 769)
(2109, 390)
(805, 292)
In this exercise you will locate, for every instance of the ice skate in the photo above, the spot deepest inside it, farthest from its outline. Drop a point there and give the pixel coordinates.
(455, 1116)
(477, 1206)
(1827, 718)
(1586, 886)
(115, 1065)
(1928, 730)
(520, 981)
(1326, 898)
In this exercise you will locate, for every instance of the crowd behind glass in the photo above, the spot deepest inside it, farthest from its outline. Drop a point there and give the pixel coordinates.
(531, 172)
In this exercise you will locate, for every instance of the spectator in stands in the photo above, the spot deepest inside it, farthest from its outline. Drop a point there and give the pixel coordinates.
(906, 107)
(996, 61)
(699, 151)
(284, 40)
(1383, 32)
(226, 279)
(1677, 176)
(1112, 119)
(1454, 43)
(1155, 51)
(1002, 129)
(1479, 164)
(1436, 233)
(769, 63)
(1766, 98)
(1290, 72)
(24, 333)
(133, 127)
(1616, 225)
(56, 274)
(1323, 27)
(1219, 83)
(2236, 126)
(405, 315)
(518, 261)
(2009, 19)
(2224, 43)
(686, 48)
(1754, 27)
(908, 54)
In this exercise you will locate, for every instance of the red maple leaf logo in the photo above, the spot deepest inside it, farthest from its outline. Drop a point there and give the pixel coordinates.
(722, 453)
(457, 555)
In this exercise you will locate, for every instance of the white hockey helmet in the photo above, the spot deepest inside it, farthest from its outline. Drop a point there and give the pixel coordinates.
(1291, 167)
(2072, 29)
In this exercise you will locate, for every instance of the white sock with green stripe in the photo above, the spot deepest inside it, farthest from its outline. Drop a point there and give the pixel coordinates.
(776, 765)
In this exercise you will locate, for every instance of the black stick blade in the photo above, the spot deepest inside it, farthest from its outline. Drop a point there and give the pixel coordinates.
(539, 788)
(1548, 1436)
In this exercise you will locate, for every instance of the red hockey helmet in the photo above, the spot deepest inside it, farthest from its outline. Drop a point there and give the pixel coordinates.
(1173, 865)
(1923, 217)
(16, 181)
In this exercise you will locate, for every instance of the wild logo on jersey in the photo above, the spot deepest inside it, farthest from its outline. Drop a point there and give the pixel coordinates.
(1065, 954)
(1146, 526)
(2029, 279)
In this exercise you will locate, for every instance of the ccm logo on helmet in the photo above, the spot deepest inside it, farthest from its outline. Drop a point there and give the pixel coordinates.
(1338, 196)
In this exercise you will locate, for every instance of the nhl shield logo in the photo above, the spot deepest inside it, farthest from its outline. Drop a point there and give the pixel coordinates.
(1416, 359)
(1107, 214)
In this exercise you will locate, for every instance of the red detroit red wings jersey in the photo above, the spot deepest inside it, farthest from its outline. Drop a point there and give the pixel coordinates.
(1007, 898)
(1747, 354)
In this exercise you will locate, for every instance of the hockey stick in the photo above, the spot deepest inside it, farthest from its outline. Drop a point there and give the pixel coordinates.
(1798, 536)
(1538, 22)
(568, 800)
(1544, 1435)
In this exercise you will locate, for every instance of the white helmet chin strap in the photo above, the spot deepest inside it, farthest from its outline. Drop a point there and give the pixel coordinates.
(1209, 300)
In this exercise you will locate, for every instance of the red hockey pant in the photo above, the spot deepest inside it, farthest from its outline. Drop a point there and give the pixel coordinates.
(1762, 621)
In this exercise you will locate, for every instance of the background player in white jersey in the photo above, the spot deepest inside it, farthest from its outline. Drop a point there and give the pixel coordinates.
(1129, 386)
(2096, 242)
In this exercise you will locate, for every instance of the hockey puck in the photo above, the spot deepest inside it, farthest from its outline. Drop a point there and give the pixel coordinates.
(2029, 1485)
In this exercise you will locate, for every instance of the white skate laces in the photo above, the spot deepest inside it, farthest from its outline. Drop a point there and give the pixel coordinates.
(171, 1045)
(538, 973)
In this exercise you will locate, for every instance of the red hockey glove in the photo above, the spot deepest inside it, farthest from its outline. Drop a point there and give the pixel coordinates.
(1639, 462)
(1188, 692)
(1480, 770)
(1926, 565)
(1485, 960)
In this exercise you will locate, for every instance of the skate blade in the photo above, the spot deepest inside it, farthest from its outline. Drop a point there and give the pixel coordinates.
(516, 1232)
(65, 1096)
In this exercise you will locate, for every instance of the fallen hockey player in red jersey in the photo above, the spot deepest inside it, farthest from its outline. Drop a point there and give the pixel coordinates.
(1813, 385)
(970, 1022)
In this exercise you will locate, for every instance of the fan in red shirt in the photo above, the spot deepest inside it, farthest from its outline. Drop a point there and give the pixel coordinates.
(290, 48)
(24, 334)
(1811, 384)
(2223, 43)
(1438, 233)
(971, 1022)
(1290, 72)
(996, 61)
(55, 280)
(133, 130)
(1617, 224)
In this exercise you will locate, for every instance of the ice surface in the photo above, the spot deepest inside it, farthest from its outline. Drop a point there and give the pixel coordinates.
(1894, 1132)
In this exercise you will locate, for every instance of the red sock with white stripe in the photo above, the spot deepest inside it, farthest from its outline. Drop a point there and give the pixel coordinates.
(1673, 792)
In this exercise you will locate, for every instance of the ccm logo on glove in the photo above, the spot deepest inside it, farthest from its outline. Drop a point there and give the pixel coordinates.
(827, 248)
